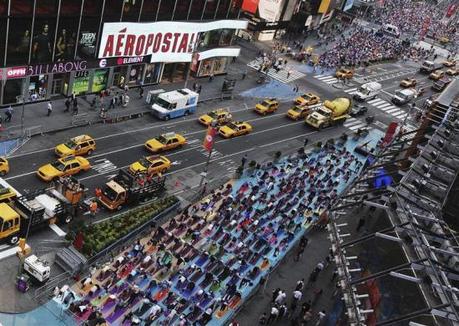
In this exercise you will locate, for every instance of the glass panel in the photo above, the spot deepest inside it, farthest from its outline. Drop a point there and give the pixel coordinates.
(92, 8)
(166, 10)
(70, 7)
(223, 9)
(21, 7)
(66, 39)
(113, 9)
(234, 9)
(149, 10)
(3, 7)
(131, 10)
(86, 47)
(196, 9)
(19, 41)
(46, 8)
(2, 39)
(42, 41)
(211, 7)
(181, 10)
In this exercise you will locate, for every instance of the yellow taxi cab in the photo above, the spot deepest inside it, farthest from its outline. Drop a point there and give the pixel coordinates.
(165, 142)
(344, 73)
(267, 106)
(436, 75)
(307, 99)
(63, 167)
(150, 165)
(76, 146)
(4, 166)
(449, 63)
(444, 40)
(452, 71)
(220, 116)
(408, 82)
(234, 129)
(298, 112)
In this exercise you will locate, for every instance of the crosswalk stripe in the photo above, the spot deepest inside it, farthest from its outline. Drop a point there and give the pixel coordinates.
(385, 105)
(357, 126)
(393, 110)
(374, 101)
(350, 90)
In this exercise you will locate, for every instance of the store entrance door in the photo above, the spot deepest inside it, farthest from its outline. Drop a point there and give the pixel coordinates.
(56, 87)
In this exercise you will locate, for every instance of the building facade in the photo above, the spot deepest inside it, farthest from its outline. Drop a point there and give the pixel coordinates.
(52, 47)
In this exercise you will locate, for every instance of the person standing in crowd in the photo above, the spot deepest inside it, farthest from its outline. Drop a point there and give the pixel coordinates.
(49, 108)
(9, 114)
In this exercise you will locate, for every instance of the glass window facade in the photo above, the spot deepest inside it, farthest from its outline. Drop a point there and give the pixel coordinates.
(59, 33)
(181, 9)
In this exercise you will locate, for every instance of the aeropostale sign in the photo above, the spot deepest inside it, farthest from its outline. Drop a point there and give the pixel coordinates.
(164, 41)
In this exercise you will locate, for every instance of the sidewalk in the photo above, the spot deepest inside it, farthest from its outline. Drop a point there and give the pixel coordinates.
(37, 122)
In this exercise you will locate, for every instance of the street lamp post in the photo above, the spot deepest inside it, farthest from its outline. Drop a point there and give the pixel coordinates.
(193, 46)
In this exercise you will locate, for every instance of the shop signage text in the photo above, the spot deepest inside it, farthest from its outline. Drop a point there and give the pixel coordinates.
(43, 69)
(165, 41)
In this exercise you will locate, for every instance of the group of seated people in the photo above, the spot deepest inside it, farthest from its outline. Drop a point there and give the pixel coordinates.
(198, 267)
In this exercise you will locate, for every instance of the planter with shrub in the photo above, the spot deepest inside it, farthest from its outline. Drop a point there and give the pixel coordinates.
(99, 236)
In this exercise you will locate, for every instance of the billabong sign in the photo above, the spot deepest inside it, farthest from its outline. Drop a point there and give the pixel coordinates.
(164, 41)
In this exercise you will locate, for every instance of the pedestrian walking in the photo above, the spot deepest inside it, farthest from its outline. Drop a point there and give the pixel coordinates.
(9, 114)
(93, 208)
(112, 103)
(263, 319)
(67, 105)
(360, 224)
(321, 317)
(50, 108)
(273, 315)
(275, 294)
(243, 160)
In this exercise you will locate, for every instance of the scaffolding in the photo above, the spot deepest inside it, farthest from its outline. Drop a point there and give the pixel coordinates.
(413, 206)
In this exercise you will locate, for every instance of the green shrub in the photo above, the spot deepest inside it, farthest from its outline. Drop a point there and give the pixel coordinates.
(99, 236)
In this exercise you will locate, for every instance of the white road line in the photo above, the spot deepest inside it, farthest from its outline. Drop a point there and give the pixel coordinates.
(382, 107)
(58, 230)
(8, 253)
(393, 110)
(353, 128)
(374, 101)
(222, 141)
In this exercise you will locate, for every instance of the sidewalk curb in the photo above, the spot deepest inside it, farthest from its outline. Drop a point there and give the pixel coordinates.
(115, 119)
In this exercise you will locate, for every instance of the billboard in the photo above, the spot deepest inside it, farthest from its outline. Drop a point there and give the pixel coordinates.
(270, 9)
(323, 8)
(250, 6)
(165, 41)
(348, 5)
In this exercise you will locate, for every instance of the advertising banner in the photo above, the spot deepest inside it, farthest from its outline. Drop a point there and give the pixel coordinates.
(210, 138)
(250, 6)
(324, 6)
(270, 9)
(165, 41)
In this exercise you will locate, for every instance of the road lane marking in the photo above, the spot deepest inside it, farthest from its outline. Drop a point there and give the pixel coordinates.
(156, 124)
(218, 142)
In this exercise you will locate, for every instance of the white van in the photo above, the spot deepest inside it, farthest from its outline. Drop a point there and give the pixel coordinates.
(368, 91)
(391, 30)
(403, 96)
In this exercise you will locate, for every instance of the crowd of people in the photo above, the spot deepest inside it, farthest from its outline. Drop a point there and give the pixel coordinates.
(416, 18)
(363, 46)
(200, 266)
